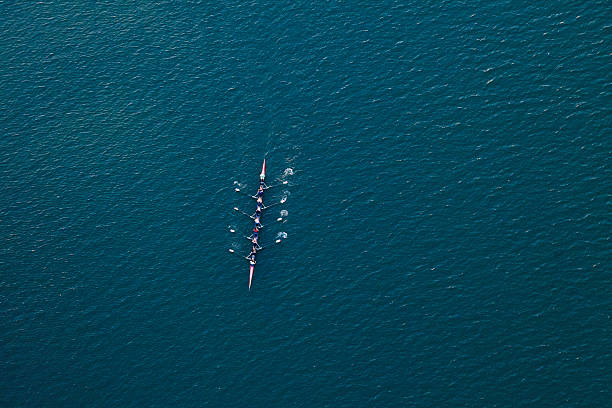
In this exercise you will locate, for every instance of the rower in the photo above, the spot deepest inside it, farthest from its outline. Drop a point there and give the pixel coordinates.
(257, 223)
(260, 200)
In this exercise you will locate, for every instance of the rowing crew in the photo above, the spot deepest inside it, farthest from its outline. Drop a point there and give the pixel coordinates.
(260, 205)
(258, 210)
(254, 241)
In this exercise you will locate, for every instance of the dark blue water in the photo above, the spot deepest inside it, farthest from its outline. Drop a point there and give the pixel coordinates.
(448, 227)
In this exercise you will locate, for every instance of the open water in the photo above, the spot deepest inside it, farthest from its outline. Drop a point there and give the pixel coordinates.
(448, 227)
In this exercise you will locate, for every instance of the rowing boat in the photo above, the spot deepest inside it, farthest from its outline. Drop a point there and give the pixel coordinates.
(256, 217)
(262, 178)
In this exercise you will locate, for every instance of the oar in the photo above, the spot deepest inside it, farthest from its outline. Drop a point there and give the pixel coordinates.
(276, 185)
(231, 251)
(242, 192)
(271, 205)
(242, 212)
(245, 257)
(278, 241)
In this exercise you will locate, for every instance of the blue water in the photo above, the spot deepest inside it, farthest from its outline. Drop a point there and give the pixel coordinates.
(448, 228)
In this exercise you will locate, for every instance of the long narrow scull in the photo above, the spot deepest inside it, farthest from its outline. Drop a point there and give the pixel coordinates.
(255, 236)
(260, 191)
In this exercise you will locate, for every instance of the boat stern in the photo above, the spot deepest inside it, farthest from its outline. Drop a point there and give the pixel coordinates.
(262, 176)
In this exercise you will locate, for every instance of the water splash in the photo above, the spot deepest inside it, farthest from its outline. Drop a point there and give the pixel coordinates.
(288, 172)
(284, 213)
(282, 235)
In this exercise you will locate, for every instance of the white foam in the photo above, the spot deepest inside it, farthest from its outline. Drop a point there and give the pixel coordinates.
(288, 172)
(284, 213)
